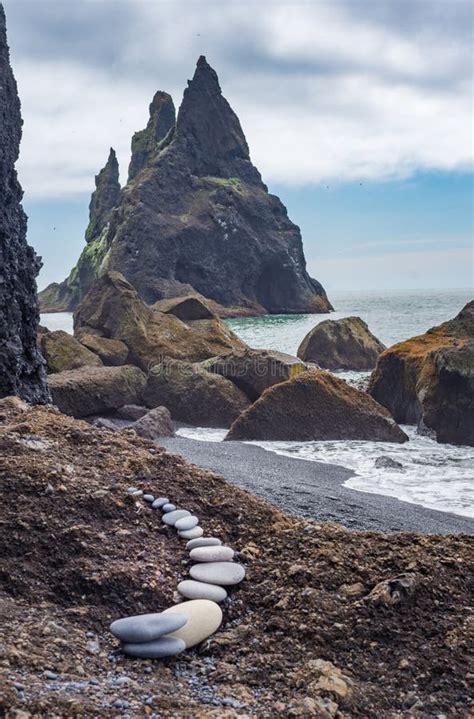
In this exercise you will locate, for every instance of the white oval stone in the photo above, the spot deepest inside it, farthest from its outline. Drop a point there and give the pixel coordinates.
(168, 507)
(172, 517)
(203, 542)
(203, 619)
(160, 502)
(212, 554)
(187, 523)
(145, 627)
(191, 589)
(163, 647)
(149, 498)
(193, 533)
(223, 573)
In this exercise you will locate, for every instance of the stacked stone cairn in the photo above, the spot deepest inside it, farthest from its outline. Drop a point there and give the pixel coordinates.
(184, 625)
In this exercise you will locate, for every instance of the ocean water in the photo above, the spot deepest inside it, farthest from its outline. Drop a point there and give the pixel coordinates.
(434, 475)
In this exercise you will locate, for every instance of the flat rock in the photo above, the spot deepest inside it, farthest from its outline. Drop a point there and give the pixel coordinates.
(187, 523)
(193, 533)
(223, 573)
(168, 507)
(163, 647)
(161, 502)
(149, 498)
(203, 619)
(146, 627)
(203, 542)
(172, 517)
(191, 589)
(212, 554)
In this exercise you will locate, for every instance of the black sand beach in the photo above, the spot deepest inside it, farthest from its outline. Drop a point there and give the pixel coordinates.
(313, 489)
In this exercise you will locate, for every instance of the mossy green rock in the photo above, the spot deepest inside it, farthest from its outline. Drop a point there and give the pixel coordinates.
(63, 352)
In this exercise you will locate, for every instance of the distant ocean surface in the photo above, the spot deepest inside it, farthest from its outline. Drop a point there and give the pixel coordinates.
(434, 475)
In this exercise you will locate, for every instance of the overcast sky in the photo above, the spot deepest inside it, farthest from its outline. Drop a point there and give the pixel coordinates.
(358, 114)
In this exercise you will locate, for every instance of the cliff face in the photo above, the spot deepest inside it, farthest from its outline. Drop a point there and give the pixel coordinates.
(22, 370)
(195, 215)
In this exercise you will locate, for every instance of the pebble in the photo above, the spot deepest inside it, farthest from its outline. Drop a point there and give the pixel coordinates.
(137, 493)
(191, 589)
(203, 619)
(164, 647)
(172, 517)
(149, 498)
(145, 627)
(193, 533)
(187, 523)
(223, 573)
(168, 507)
(160, 502)
(50, 675)
(121, 704)
(212, 554)
(131, 490)
(203, 542)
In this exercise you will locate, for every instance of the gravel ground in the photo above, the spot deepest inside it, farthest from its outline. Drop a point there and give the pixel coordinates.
(313, 489)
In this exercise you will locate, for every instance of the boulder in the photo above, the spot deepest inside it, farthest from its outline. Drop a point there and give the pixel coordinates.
(315, 405)
(341, 344)
(428, 380)
(96, 390)
(22, 368)
(113, 307)
(155, 423)
(253, 371)
(63, 352)
(189, 307)
(113, 353)
(131, 412)
(193, 395)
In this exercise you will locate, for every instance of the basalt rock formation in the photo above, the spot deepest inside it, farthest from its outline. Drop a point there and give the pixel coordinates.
(341, 344)
(195, 216)
(429, 380)
(22, 371)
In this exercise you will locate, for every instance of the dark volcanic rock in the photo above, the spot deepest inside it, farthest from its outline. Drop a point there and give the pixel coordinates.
(62, 352)
(429, 380)
(315, 405)
(104, 198)
(341, 344)
(155, 423)
(22, 370)
(197, 216)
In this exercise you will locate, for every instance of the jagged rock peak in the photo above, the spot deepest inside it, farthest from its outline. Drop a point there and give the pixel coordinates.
(209, 131)
(22, 370)
(145, 142)
(105, 197)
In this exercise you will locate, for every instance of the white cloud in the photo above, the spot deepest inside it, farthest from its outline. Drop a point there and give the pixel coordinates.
(323, 94)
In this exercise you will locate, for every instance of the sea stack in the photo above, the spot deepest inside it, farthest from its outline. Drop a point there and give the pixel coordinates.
(22, 369)
(196, 216)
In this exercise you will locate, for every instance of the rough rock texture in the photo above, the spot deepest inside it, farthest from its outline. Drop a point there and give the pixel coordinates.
(193, 395)
(253, 371)
(300, 637)
(315, 405)
(429, 380)
(22, 370)
(155, 423)
(93, 260)
(96, 390)
(197, 216)
(113, 307)
(341, 344)
(111, 352)
(62, 352)
(188, 307)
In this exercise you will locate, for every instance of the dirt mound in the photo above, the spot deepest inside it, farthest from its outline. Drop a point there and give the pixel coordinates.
(304, 635)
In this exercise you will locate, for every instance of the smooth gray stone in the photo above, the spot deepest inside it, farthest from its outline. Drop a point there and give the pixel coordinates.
(223, 573)
(131, 490)
(191, 589)
(187, 523)
(172, 517)
(212, 554)
(163, 647)
(203, 542)
(168, 507)
(193, 533)
(149, 498)
(160, 502)
(146, 627)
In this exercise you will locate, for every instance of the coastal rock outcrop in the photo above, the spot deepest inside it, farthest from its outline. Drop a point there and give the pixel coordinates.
(195, 216)
(62, 352)
(155, 423)
(253, 371)
(315, 405)
(22, 369)
(194, 395)
(341, 344)
(428, 380)
(113, 308)
(96, 390)
(111, 352)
